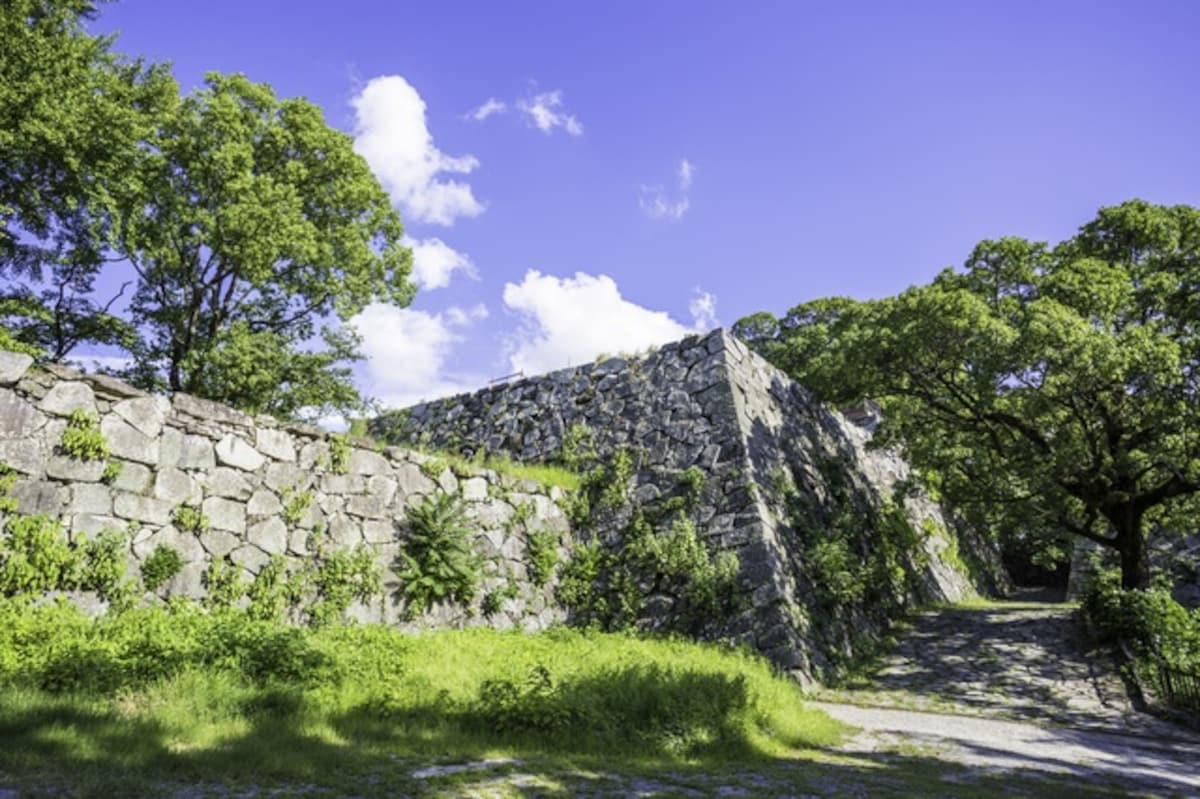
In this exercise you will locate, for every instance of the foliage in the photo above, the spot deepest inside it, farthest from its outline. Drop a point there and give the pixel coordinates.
(578, 447)
(493, 601)
(82, 438)
(339, 454)
(36, 558)
(1149, 619)
(73, 116)
(160, 566)
(437, 562)
(112, 470)
(341, 577)
(190, 519)
(295, 504)
(8, 478)
(542, 549)
(223, 583)
(1048, 389)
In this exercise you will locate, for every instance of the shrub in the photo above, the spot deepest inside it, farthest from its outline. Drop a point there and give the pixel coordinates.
(438, 561)
(82, 438)
(1150, 620)
(190, 519)
(295, 505)
(223, 583)
(542, 546)
(162, 564)
(339, 454)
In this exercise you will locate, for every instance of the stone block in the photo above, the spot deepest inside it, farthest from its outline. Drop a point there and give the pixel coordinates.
(92, 524)
(65, 398)
(225, 514)
(228, 483)
(234, 451)
(250, 558)
(127, 442)
(364, 461)
(275, 443)
(145, 414)
(279, 476)
(134, 478)
(412, 480)
(90, 498)
(209, 410)
(263, 503)
(25, 455)
(39, 496)
(474, 489)
(62, 467)
(366, 506)
(142, 509)
(13, 366)
(18, 417)
(379, 532)
(270, 536)
(176, 486)
(219, 543)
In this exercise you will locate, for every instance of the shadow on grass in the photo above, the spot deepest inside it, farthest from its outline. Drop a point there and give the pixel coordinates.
(687, 740)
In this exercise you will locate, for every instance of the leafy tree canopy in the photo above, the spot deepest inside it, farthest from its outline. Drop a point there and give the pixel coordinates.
(246, 226)
(1050, 387)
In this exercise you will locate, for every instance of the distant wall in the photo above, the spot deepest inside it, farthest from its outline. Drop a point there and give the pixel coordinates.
(241, 472)
(708, 402)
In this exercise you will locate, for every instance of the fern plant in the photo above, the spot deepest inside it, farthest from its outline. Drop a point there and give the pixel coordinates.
(82, 438)
(438, 563)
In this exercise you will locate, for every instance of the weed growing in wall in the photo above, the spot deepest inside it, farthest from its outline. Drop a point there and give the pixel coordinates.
(82, 438)
(36, 557)
(223, 583)
(438, 562)
(493, 601)
(542, 549)
(112, 470)
(295, 504)
(163, 563)
(339, 454)
(189, 519)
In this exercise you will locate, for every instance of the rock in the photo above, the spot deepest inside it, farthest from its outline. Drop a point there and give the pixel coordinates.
(142, 509)
(270, 536)
(209, 410)
(109, 386)
(175, 486)
(474, 489)
(13, 366)
(219, 543)
(18, 418)
(63, 399)
(250, 558)
(24, 455)
(90, 498)
(263, 503)
(133, 477)
(234, 451)
(145, 414)
(39, 496)
(229, 483)
(412, 480)
(366, 506)
(364, 461)
(62, 467)
(225, 514)
(91, 524)
(185, 451)
(127, 442)
(280, 476)
(379, 532)
(275, 444)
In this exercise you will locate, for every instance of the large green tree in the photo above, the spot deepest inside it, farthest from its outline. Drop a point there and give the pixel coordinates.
(73, 119)
(1057, 384)
(256, 227)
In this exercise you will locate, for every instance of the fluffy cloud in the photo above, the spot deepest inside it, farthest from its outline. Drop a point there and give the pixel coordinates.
(390, 132)
(461, 317)
(657, 203)
(567, 321)
(545, 111)
(406, 353)
(489, 107)
(703, 308)
(435, 262)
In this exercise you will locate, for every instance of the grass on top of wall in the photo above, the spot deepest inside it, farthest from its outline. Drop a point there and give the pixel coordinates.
(120, 704)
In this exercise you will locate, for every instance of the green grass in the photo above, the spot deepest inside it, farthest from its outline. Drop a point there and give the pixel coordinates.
(543, 473)
(119, 704)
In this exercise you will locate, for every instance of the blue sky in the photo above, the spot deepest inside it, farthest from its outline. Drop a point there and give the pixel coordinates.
(597, 177)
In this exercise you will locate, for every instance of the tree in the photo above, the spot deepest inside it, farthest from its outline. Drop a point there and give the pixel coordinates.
(73, 116)
(255, 225)
(1057, 383)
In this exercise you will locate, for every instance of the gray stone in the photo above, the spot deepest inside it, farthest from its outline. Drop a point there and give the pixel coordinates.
(209, 410)
(62, 467)
(90, 498)
(229, 483)
(263, 503)
(18, 418)
(379, 532)
(219, 543)
(92, 524)
(313, 454)
(133, 477)
(234, 451)
(382, 487)
(65, 398)
(13, 366)
(129, 443)
(344, 531)
(250, 558)
(366, 506)
(275, 443)
(412, 480)
(185, 451)
(225, 514)
(474, 489)
(108, 386)
(189, 582)
(364, 461)
(298, 542)
(176, 486)
(447, 481)
(280, 476)
(185, 543)
(39, 496)
(142, 509)
(343, 483)
(270, 536)
(145, 414)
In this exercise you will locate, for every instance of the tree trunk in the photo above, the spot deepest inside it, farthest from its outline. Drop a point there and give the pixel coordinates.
(1131, 544)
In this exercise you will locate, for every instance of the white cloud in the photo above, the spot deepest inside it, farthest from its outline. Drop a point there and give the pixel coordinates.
(435, 262)
(703, 309)
(657, 203)
(390, 132)
(545, 111)
(489, 107)
(568, 321)
(406, 353)
(461, 317)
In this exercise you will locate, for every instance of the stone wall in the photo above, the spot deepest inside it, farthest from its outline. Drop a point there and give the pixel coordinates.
(771, 456)
(241, 472)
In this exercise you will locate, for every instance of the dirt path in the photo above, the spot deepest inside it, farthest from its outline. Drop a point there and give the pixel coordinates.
(1016, 685)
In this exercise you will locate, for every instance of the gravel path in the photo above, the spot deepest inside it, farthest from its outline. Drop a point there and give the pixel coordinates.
(1016, 685)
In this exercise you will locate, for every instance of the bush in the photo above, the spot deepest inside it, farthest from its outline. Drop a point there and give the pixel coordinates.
(438, 561)
(1150, 620)
(82, 438)
(164, 563)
